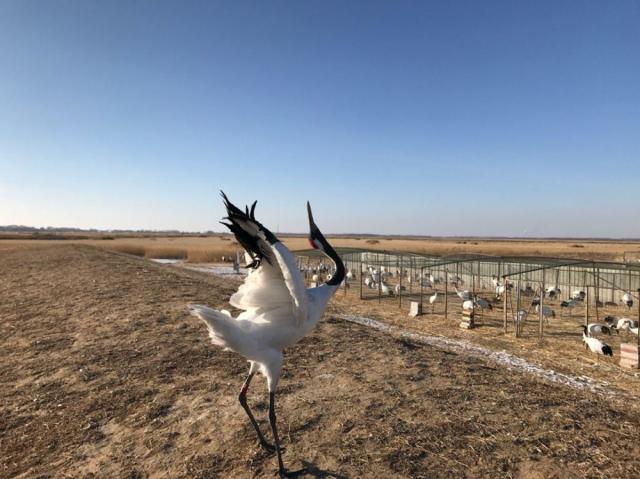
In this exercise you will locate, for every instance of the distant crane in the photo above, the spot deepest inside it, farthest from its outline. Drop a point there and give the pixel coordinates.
(432, 299)
(595, 345)
(627, 299)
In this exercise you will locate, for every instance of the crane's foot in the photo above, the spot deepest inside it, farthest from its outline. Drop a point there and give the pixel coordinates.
(270, 448)
(284, 474)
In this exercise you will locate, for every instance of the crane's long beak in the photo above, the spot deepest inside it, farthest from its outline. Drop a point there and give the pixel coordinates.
(315, 236)
(311, 222)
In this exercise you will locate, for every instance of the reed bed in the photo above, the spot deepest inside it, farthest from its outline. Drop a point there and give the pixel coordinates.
(212, 248)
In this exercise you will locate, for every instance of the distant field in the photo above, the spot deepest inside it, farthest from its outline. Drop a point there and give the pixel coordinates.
(212, 248)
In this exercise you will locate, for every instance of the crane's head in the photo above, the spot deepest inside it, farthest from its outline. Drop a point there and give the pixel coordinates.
(316, 238)
(319, 242)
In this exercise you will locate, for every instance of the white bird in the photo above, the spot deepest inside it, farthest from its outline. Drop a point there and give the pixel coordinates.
(624, 324)
(628, 300)
(501, 288)
(350, 274)
(552, 291)
(596, 328)
(520, 316)
(578, 295)
(467, 304)
(463, 295)
(399, 288)
(595, 345)
(384, 289)
(278, 311)
(368, 281)
(433, 298)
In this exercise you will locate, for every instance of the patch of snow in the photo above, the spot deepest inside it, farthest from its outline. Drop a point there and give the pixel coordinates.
(216, 269)
(501, 357)
(166, 260)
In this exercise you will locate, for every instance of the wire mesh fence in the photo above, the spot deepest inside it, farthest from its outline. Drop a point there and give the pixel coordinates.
(520, 294)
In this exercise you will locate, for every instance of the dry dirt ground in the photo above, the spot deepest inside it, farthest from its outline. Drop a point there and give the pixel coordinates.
(103, 374)
(561, 348)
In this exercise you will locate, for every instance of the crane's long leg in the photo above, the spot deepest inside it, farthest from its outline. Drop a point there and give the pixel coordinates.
(242, 397)
(272, 419)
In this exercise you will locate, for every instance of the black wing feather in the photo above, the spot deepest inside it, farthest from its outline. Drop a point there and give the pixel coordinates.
(246, 229)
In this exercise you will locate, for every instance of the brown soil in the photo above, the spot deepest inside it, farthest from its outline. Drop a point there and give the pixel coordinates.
(103, 374)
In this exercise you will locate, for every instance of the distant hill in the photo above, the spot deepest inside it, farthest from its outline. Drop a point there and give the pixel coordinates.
(51, 231)
(70, 230)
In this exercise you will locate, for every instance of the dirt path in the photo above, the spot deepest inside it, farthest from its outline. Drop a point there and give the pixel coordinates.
(103, 374)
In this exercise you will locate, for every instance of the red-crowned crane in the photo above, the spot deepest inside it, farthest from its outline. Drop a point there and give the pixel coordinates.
(595, 345)
(463, 295)
(432, 299)
(278, 310)
(627, 299)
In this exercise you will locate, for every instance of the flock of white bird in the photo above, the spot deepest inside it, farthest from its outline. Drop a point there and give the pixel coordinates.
(377, 279)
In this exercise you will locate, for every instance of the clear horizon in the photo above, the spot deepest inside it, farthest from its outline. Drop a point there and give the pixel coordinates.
(488, 119)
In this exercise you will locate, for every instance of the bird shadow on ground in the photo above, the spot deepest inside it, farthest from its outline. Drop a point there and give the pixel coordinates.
(313, 471)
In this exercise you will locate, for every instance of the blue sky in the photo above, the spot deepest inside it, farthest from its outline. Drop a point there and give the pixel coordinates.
(441, 118)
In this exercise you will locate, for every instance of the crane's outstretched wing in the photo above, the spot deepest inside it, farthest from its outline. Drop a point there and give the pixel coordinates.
(274, 281)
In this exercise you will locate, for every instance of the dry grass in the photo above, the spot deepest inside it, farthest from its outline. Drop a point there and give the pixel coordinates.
(212, 248)
(117, 380)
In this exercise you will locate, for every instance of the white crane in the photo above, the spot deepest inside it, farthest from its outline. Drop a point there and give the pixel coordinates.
(520, 317)
(278, 311)
(463, 295)
(368, 281)
(432, 299)
(552, 292)
(384, 289)
(595, 345)
(627, 299)
(501, 288)
(624, 324)
(578, 295)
